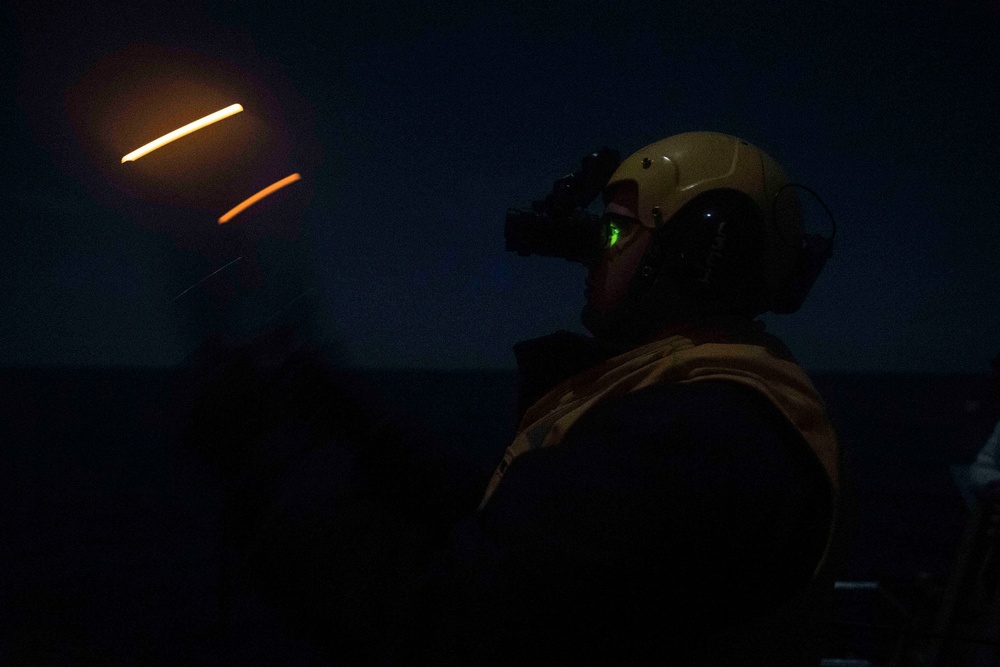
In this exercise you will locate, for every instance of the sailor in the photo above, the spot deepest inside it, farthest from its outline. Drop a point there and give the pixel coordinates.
(695, 454)
(671, 495)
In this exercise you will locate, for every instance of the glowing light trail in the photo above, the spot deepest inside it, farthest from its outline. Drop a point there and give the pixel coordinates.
(250, 201)
(181, 131)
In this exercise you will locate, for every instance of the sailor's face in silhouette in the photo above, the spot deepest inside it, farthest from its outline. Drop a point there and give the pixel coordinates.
(608, 279)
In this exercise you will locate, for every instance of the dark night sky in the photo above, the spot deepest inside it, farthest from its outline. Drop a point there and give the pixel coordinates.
(416, 125)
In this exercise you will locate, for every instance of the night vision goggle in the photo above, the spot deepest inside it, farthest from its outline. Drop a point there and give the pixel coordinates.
(560, 225)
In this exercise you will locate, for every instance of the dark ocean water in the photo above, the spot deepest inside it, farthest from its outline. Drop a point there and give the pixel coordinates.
(109, 550)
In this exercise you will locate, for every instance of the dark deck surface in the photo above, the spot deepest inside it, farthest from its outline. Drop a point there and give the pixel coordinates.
(109, 548)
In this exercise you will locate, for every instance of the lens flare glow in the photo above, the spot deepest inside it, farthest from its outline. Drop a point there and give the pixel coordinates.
(232, 109)
(250, 201)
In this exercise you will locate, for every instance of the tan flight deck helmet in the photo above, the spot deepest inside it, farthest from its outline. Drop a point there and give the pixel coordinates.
(672, 172)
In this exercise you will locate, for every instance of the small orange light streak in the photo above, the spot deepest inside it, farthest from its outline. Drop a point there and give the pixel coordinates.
(232, 109)
(250, 201)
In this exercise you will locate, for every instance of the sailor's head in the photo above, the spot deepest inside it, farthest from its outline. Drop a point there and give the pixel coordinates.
(694, 229)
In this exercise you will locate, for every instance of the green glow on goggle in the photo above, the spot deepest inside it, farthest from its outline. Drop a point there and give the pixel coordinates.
(614, 231)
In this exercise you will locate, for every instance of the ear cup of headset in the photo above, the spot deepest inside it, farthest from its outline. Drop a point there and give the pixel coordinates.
(712, 248)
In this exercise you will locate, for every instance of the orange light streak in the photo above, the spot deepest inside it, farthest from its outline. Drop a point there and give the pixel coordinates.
(250, 201)
(232, 109)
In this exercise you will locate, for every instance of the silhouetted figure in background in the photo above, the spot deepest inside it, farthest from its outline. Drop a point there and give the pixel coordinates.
(967, 626)
(984, 473)
(671, 495)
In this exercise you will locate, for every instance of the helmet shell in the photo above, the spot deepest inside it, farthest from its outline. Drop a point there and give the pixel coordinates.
(671, 172)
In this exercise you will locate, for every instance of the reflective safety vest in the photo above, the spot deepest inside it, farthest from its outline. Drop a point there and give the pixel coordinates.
(758, 361)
